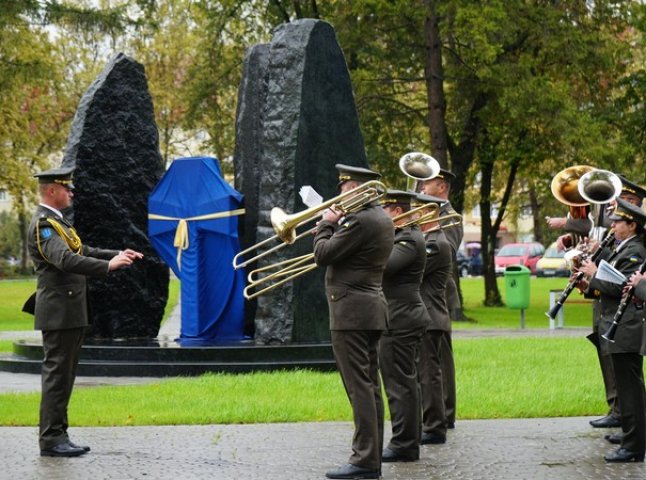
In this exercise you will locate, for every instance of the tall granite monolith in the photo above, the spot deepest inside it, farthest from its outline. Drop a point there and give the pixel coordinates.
(296, 119)
(114, 145)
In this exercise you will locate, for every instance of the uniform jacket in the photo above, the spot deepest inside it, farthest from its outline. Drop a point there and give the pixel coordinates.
(436, 274)
(355, 254)
(629, 334)
(640, 296)
(402, 279)
(61, 296)
(453, 234)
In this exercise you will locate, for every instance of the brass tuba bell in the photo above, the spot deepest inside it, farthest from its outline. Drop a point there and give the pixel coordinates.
(418, 167)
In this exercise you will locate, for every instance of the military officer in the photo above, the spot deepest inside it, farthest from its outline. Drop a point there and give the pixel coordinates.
(408, 320)
(628, 226)
(440, 187)
(61, 262)
(355, 249)
(433, 289)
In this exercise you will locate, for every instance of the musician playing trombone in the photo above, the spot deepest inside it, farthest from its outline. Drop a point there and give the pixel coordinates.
(408, 320)
(355, 249)
(437, 273)
(628, 227)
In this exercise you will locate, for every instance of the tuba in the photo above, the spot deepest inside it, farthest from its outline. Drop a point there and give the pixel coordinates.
(598, 187)
(418, 167)
(565, 188)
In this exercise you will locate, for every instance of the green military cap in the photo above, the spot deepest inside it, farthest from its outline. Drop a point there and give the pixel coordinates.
(628, 212)
(423, 199)
(630, 187)
(397, 197)
(61, 175)
(357, 174)
(447, 175)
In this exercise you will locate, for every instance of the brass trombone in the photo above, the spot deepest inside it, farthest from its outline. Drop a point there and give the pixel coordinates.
(285, 226)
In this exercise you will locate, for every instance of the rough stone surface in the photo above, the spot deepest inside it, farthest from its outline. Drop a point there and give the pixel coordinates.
(307, 122)
(510, 449)
(114, 146)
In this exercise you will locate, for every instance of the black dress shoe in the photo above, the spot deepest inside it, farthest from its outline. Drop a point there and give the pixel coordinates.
(389, 455)
(615, 438)
(450, 425)
(352, 471)
(623, 455)
(84, 447)
(432, 439)
(609, 421)
(64, 449)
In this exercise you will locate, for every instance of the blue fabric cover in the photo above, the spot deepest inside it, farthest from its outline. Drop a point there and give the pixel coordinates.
(211, 290)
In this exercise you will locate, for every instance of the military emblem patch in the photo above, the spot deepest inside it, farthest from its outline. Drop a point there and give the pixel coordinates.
(634, 259)
(46, 233)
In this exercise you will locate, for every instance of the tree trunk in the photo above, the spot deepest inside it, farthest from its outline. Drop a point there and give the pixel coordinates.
(536, 216)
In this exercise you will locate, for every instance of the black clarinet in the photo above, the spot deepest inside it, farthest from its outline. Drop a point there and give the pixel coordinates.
(623, 305)
(577, 278)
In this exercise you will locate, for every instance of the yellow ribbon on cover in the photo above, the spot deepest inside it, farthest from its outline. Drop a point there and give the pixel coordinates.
(181, 232)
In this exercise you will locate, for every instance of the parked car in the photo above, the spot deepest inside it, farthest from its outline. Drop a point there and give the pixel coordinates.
(527, 254)
(553, 264)
(463, 263)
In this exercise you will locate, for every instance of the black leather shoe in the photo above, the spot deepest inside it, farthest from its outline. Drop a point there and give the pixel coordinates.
(64, 449)
(623, 455)
(609, 421)
(352, 471)
(432, 439)
(389, 455)
(615, 438)
(84, 447)
(450, 425)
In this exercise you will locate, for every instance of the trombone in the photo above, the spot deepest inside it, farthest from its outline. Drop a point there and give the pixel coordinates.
(285, 226)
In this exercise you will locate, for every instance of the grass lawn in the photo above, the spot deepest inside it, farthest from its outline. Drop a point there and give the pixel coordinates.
(496, 378)
(577, 310)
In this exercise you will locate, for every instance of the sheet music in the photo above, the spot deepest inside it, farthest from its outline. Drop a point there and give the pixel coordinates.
(310, 196)
(608, 273)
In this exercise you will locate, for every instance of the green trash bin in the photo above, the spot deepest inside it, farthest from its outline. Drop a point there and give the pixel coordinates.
(517, 286)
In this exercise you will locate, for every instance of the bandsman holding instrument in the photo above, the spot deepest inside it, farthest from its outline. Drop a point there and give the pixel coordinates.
(355, 250)
(436, 275)
(408, 320)
(628, 227)
(440, 187)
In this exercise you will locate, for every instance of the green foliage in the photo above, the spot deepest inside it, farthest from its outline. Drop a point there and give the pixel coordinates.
(10, 236)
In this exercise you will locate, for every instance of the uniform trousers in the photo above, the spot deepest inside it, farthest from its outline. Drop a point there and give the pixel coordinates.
(448, 377)
(355, 352)
(432, 384)
(630, 389)
(605, 363)
(398, 356)
(61, 350)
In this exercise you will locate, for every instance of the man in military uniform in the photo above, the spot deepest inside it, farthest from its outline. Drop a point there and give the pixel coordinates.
(433, 289)
(440, 187)
(355, 249)
(408, 319)
(61, 262)
(628, 226)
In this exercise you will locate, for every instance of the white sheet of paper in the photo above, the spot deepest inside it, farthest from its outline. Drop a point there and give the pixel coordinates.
(608, 273)
(310, 196)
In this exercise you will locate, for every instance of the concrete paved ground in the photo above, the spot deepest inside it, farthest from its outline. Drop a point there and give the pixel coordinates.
(559, 449)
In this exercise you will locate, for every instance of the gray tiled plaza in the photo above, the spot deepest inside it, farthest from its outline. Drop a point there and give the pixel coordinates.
(562, 448)
(559, 449)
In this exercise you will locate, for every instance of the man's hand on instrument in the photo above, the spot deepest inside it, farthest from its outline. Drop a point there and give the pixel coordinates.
(563, 242)
(556, 223)
(634, 279)
(332, 215)
(588, 268)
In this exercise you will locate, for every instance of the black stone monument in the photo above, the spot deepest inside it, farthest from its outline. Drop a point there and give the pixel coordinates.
(114, 146)
(296, 119)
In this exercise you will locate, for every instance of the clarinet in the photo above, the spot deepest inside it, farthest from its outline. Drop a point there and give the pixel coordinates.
(623, 305)
(577, 278)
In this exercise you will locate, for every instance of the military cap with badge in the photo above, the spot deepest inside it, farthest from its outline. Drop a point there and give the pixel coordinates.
(628, 212)
(60, 175)
(631, 188)
(356, 174)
